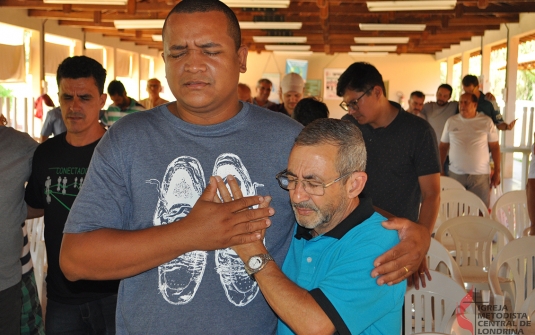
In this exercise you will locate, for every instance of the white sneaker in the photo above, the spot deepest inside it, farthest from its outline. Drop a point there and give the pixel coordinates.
(182, 185)
(239, 288)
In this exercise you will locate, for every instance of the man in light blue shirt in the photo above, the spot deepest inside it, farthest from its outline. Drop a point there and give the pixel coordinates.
(324, 285)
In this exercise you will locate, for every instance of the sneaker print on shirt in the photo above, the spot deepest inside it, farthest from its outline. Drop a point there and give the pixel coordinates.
(182, 185)
(239, 287)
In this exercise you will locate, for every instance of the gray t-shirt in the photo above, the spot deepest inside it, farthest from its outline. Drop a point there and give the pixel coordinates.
(16, 153)
(149, 169)
(438, 115)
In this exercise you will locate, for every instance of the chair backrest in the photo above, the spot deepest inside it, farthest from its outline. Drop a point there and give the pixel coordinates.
(473, 239)
(511, 211)
(519, 256)
(448, 183)
(430, 309)
(36, 231)
(439, 259)
(455, 203)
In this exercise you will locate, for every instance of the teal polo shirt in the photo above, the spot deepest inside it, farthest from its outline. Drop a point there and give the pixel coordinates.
(336, 269)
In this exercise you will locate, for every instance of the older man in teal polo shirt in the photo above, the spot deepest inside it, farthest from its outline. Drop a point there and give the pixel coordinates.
(324, 285)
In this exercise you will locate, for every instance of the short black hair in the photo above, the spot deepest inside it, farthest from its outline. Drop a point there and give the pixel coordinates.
(116, 87)
(310, 109)
(418, 94)
(447, 87)
(82, 67)
(196, 6)
(470, 79)
(359, 76)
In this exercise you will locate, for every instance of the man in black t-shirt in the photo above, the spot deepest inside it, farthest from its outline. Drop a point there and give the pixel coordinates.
(58, 173)
(403, 163)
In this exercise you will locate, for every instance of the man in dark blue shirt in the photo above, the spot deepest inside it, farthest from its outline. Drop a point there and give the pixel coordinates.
(471, 85)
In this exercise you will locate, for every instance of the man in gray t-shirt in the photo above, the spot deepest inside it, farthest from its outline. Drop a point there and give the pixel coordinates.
(436, 113)
(146, 212)
(16, 152)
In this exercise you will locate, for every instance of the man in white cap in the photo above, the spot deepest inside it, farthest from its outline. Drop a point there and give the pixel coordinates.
(291, 91)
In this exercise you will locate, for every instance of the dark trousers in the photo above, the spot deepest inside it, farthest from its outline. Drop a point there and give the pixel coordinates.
(93, 318)
(10, 305)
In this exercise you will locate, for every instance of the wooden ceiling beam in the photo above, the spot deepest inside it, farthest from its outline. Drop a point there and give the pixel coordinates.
(83, 24)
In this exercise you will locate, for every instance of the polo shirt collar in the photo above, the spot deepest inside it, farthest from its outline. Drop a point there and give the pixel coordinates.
(360, 214)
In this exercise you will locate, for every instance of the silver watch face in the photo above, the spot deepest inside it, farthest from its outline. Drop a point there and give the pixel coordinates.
(255, 262)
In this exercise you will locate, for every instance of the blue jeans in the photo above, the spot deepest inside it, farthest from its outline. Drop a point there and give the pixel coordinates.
(95, 317)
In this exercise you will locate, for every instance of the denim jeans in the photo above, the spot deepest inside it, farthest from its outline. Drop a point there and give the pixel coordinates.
(93, 318)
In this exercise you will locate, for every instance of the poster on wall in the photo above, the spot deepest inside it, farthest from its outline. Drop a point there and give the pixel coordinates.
(330, 80)
(297, 66)
(275, 80)
(313, 88)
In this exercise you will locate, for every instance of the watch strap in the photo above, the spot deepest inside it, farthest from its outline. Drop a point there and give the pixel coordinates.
(265, 259)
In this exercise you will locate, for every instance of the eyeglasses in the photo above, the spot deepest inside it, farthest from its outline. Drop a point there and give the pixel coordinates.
(311, 187)
(354, 105)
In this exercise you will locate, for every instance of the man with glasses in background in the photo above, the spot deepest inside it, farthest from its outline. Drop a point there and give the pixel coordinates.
(324, 285)
(403, 163)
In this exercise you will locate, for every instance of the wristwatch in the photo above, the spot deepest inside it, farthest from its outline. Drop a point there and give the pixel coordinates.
(257, 263)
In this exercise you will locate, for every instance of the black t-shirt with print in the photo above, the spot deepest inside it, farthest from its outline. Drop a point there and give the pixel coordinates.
(58, 173)
(397, 155)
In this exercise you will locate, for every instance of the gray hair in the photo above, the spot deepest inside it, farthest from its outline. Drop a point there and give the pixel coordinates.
(343, 134)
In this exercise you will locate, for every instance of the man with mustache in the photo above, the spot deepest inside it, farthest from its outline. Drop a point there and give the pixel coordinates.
(324, 286)
(58, 173)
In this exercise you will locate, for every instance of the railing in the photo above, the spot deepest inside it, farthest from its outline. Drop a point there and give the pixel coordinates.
(19, 113)
(522, 135)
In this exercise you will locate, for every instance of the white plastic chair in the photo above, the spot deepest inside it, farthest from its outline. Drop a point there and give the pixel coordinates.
(455, 203)
(439, 259)
(36, 238)
(430, 309)
(473, 240)
(511, 211)
(518, 257)
(528, 308)
(448, 183)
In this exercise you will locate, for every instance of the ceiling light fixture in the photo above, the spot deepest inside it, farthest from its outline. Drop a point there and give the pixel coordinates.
(381, 40)
(280, 39)
(272, 47)
(271, 25)
(380, 6)
(367, 48)
(89, 2)
(293, 53)
(138, 24)
(392, 27)
(258, 3)
(157, 38)
(367, 54)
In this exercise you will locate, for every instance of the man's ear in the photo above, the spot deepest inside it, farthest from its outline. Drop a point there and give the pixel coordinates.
(242, 57)
(356, 183)
(102, 101)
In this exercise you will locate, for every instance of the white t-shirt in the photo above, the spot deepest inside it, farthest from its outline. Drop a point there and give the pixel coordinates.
(531, 173)
(468, 139)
